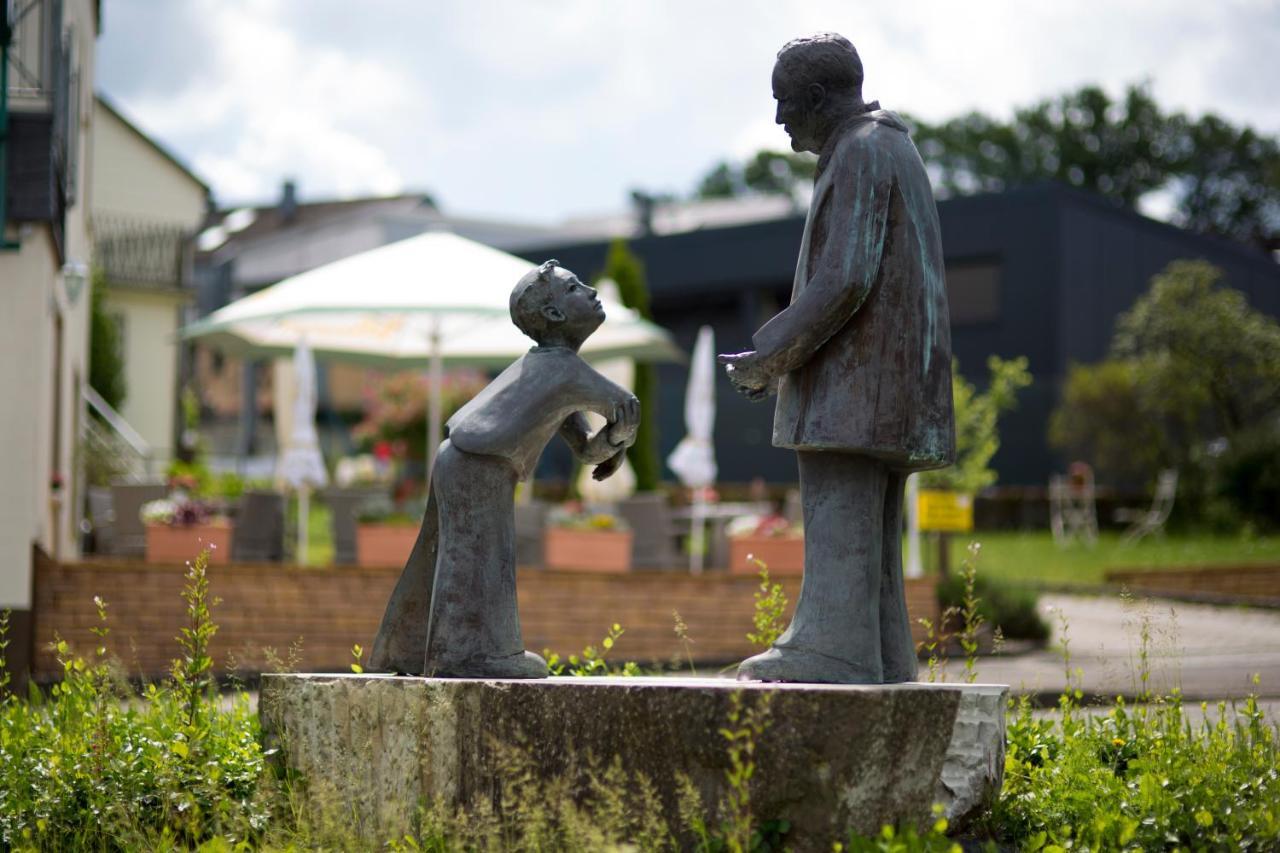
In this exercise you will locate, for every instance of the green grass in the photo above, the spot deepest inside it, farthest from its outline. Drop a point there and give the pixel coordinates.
(1033, 558)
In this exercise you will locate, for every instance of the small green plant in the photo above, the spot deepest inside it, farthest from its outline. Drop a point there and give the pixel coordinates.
(592, 660)
(736, 829)
(193, 672)
(905, 839)
(935, 645)
(4, 660)
(970, 616)
(682, 634)
(746, 726)
(357, 652)
(770, 613)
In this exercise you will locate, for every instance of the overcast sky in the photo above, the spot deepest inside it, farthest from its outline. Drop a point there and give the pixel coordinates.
(542, 109)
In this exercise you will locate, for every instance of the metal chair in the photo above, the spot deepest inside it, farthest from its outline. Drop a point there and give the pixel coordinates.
(653, 531)
(1073, 512)
(102, 519)
(1144, 522)
(259, 533)
(129, 534)
(344, 506)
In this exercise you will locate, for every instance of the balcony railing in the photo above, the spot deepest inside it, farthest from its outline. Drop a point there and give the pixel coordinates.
(42, 91)
(142, 254)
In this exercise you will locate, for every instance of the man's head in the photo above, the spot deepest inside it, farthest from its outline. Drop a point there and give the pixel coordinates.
(817, 80)
(550, 305)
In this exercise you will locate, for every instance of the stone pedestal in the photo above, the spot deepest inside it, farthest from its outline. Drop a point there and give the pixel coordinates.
(830, 758)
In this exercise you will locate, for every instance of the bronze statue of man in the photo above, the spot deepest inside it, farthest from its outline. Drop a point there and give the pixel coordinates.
(861, 363)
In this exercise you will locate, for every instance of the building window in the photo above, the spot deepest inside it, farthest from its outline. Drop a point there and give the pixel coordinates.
(973, 292)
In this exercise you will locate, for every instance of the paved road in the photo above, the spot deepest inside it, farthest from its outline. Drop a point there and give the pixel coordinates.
(1209, 652)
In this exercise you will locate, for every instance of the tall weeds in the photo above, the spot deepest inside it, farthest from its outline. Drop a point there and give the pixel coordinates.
(90, 764)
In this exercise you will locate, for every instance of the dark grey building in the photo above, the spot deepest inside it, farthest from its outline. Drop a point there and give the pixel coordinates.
(1041, 271)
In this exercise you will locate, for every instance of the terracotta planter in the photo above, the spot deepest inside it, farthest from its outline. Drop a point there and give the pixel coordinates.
(588, 550)
(784, 555)
(384, 544)
(180, 543)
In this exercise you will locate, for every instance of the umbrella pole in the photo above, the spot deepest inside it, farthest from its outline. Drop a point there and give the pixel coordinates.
(435, 407)
(698, 533)
(304, 519)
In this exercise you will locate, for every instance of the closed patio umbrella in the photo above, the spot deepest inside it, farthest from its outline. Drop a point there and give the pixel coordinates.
(301, 466)
(694, 458)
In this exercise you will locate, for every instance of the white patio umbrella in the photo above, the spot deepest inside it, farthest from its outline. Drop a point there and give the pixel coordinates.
(301, 467)
(433, 300)
(694, 458)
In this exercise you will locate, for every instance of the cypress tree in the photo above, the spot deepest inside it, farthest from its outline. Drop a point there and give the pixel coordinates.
(106, 356)
(627, 271)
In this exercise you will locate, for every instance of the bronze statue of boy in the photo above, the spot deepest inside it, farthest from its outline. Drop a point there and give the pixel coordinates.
(453, 612)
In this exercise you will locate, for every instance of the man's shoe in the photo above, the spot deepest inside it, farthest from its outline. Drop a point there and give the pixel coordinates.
(788, 663)
(522, 665)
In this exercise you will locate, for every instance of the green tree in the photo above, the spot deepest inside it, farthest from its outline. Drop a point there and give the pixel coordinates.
(1209, 364)
(1192, 381)
(766, 172)
(1225, 179)
(106, 351)
(627, 271)
(1096, 421)
(977, 424)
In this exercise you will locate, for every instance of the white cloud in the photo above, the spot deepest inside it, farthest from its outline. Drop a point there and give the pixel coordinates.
(543, 109)
(291, 109)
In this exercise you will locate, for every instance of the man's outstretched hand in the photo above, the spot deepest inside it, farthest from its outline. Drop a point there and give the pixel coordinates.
(747, 374)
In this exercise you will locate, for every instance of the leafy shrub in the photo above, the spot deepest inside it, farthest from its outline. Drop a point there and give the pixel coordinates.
(90, 765)
(1247, 478)
(1010, 609)
(977, 417)
(1141, 779)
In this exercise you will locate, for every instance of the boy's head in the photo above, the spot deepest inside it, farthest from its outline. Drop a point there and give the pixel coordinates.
(550, 305)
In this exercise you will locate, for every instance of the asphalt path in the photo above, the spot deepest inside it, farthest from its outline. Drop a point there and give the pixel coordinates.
(1208, 652)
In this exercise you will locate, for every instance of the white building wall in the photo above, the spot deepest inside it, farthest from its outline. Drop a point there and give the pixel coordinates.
(131, 179)
(149, 320)
(34, 296)
(27, 282)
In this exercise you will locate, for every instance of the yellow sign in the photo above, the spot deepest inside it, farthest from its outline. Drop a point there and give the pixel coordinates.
(945, 512)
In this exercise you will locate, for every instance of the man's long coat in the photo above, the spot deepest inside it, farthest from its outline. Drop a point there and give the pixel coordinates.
(864, 349)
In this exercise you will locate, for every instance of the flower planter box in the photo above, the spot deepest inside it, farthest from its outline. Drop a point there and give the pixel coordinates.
(380, 545)
(784, 555)
(572, 550)
(179, 543)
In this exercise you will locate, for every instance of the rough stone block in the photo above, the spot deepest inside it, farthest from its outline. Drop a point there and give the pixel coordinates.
(831, 757)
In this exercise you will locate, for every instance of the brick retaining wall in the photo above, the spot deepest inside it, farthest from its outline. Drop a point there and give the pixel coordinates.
(1259, 584)
(331, 609)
